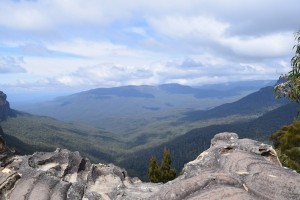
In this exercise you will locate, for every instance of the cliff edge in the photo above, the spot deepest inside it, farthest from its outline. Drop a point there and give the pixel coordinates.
(5, 110)
(231, 168)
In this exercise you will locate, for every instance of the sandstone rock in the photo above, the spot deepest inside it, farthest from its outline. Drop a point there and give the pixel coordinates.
(231, 168)
(66, 175)
(234, 168)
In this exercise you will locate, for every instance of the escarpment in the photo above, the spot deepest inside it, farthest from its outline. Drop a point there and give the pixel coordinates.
(231, 168)
(5, 110)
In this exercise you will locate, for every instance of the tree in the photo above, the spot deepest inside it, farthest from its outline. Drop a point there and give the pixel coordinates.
(167, 173)
(287, 139)
(164, 173)
(287, 144)
(154, 171)
(290, 87)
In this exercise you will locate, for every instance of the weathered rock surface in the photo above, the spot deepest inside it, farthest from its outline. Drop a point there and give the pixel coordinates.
(62, 174)
(231, 168)
(234, 168)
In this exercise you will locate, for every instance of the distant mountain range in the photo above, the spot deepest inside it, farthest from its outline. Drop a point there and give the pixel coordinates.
(127, 109)
(256, 103)
(183, 126)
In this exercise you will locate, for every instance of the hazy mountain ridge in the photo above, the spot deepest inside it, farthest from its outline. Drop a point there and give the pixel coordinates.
(128, 109)
(123, 91)
(258, 102)
(110, 146)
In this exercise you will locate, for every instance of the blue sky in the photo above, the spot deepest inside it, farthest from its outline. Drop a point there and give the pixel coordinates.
(73, 45)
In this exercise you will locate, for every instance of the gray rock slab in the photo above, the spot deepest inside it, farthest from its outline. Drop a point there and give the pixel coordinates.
(230, 169)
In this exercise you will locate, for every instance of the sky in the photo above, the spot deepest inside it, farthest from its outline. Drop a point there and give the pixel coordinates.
(53, 46)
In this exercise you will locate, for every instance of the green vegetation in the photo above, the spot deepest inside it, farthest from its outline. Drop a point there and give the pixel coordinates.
(187, 147)
(287, 139)
(28, 133)
(138, 109)
(287, 144)
(147, 135)
(163, 174)
(290, 88)
(154, 171)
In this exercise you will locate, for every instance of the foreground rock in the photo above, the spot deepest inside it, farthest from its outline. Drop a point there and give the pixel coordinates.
(234, 168)
(63, 175)
(231, 169)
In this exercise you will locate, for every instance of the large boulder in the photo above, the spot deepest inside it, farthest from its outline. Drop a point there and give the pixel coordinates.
(231, 168)
(234, 168)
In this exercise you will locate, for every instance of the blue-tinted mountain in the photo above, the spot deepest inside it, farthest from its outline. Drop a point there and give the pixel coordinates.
(128, 109)
(255, 103)
(216, 90)
(124, 91)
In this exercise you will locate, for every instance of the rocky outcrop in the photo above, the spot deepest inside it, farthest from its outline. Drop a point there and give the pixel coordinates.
(62, 174)
(231, 168)
(5, 110)
(234, 168)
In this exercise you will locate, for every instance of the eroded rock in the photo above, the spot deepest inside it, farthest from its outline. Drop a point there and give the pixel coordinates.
(63, 174)
(234, 168)
(231, 168)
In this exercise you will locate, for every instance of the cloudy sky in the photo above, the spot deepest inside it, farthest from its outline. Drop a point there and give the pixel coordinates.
(55, 45)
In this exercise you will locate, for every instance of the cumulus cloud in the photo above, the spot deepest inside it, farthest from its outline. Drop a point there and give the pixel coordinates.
(199, 27)
(250, 16)
(109, 43)
(11, 65)
(274, 45)
(50, 14)
(209, 32)
(185, 71)
(106, 74)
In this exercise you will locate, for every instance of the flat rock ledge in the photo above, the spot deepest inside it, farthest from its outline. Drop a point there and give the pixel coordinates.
(231, 168)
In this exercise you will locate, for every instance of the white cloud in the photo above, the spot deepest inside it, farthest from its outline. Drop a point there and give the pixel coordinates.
(23, 15)
(106, 74)
(274, 45)
(10, 64)
(207, 31)
(185, 27)
(51, 14)
(109, 74)
(109, 43)
(106, 52)
(89, 48)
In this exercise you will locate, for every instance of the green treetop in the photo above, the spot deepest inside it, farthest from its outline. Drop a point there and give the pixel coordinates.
(154, 171)
(164, 173)
(290, 88)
